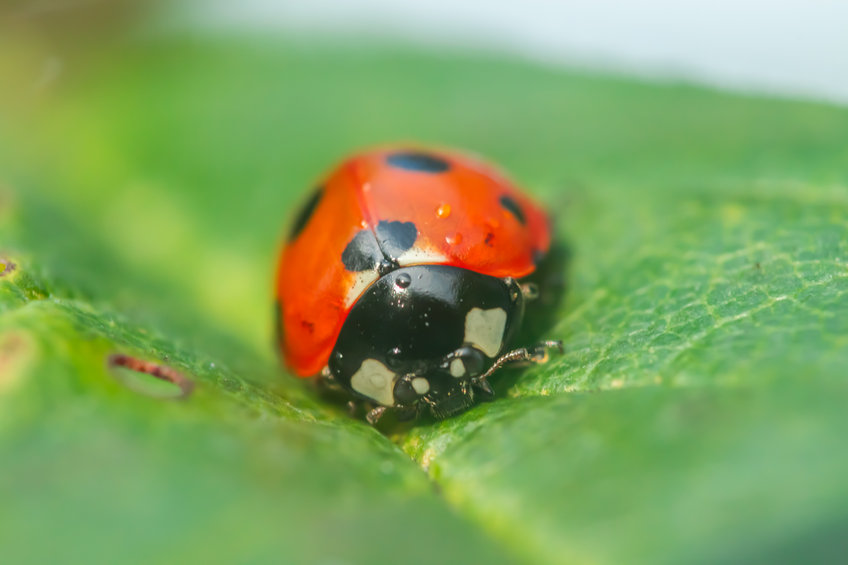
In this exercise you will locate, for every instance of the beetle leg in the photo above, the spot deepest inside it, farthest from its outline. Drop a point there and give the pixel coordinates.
(375, 414)
(326, 383)
(326, 379)
(406, 413)
(352, 408)
(541, 350)
(530, 291)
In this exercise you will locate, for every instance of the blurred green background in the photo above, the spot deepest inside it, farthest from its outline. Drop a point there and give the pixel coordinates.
(146, 178)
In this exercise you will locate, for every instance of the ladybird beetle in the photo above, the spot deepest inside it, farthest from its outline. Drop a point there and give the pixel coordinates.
(400, 281)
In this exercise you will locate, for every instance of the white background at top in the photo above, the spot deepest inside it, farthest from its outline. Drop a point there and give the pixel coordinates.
(787, 47)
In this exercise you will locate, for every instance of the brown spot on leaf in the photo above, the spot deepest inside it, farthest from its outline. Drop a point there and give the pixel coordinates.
(162, 372)
(7, 267)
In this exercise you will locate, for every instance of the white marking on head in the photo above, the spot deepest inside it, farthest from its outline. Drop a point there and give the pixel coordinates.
(361, 281)
(375, 380)
(484, 329)
(421, 385)
(417, 255)
(457, 368)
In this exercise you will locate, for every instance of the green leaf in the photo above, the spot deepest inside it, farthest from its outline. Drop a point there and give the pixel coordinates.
(696, 416)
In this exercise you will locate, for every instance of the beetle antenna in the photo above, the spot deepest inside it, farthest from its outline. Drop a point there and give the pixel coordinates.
(536, 354)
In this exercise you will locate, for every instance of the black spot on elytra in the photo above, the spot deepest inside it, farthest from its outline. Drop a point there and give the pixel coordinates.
(489, 238)
(362, 253)
(396, 237)
(369, 251)
(305, 213)
(421, 162)
(513, 208)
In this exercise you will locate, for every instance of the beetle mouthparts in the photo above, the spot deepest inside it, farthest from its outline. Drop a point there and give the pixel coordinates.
(452, 404)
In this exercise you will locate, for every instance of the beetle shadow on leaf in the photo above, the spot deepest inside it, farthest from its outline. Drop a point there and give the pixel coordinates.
(542, 314)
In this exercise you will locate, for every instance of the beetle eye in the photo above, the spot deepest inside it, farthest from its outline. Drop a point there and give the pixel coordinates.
(466, 361)
(405, 393)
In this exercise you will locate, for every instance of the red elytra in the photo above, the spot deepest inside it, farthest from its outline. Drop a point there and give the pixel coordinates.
(465, 214)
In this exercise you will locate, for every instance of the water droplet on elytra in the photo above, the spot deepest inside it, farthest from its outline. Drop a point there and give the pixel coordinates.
(454, 239)
(443, 211)
(403, 280)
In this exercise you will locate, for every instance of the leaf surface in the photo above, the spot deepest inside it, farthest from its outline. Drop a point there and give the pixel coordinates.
(696, 415)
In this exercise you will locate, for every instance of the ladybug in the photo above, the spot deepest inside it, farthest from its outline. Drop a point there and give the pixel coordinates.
(401, 280)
